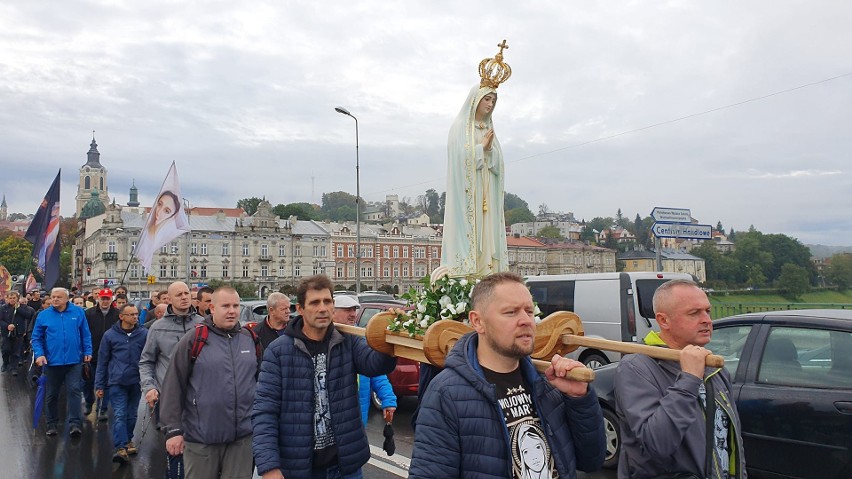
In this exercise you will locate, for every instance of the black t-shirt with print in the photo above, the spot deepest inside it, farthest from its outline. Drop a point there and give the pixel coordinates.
(531, 457)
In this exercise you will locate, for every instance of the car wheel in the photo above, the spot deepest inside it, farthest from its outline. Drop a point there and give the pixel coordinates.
(374, 399)
(595, 361)
(613, 439)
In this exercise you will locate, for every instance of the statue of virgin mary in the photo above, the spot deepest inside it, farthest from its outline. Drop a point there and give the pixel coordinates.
(474, 237)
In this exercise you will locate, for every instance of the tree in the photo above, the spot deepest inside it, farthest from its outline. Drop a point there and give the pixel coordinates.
(15, 252)
(793, 282)
(550, 232)
(17, 216)
(432, 205)
(519, 215)
(620, 220)
(543, 210)
(719, 227)
(302, 211)
(787, 250)
(249, 205)
(245, 290)
(338, 206)
(839, 271)
(512, 201)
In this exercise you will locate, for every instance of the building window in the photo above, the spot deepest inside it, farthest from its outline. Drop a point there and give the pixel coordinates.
(435, 252)
(164, 249)
(282, 250)
(111, 272)
(203, 270)
(297, 271)
(87, 183)
(264, 270)
(174, 249)
(339, 272)
(386, 251)
(405, 252)
(405, 271)
(224, 271)
(132, 246)
(297, 250)
(173, 271)
(282, 271)
(163, 271)
(339, 250)
(245, 271)
(226, 249)
(386, 271)
(396, 271)
(368, 251)
(193, 248)
(317, 268)
(396, 251)
(245, 249)
(134, 270)
(264, 250)
(350, 251)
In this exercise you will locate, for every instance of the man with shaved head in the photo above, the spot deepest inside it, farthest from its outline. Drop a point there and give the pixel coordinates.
(162, 338)
(664, 403)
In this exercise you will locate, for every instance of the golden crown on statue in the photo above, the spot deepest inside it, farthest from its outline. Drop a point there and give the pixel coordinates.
(493, 71)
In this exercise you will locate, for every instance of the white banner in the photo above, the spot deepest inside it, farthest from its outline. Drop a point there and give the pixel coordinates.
(166, 221)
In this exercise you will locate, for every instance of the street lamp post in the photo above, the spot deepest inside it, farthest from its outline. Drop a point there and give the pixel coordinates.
(344, 111)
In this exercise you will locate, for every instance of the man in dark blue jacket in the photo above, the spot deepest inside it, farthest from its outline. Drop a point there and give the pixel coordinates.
(489, 413)
(100, 318)
(118, 356)
(306, 418)
(61, 342)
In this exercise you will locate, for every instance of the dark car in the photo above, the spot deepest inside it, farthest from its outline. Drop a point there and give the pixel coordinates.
(792, 375)
(406, 377)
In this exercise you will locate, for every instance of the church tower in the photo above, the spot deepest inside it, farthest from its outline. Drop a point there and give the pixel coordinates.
(134, 196)
(3, 209)
(93, 176)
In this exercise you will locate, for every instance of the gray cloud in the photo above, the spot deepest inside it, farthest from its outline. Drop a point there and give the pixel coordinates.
(242, 98)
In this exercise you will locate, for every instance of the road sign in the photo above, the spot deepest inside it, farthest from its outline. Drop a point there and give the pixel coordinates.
(674, 215)
(152, 279)
(668, 229)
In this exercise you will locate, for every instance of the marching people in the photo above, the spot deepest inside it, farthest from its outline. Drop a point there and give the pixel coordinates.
(152, 303)
(35, 300)
(120, 300)
(205, 296)
(490, 413)
(61, 343)
(100, 319)
(15, 320)
(306, 417)
(346, 312)
(159, 312)
(278, 308)
(207, 394)
(664, 404)
(118, 372)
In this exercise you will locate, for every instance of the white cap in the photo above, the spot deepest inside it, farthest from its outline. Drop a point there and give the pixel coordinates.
(345, 301)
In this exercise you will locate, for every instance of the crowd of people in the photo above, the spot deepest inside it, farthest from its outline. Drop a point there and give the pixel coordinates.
(288, 396)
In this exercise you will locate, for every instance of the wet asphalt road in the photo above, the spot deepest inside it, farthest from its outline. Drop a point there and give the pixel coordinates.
(28, 453)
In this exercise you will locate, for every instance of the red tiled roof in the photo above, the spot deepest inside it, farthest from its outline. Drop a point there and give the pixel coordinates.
(511, 240)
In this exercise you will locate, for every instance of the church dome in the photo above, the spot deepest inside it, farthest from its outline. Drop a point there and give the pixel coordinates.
(93, 207)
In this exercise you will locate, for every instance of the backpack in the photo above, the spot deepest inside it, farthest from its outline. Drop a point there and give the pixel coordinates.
(201, 333)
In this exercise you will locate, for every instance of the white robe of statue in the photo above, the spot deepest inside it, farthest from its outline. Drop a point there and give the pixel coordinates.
(474, 241)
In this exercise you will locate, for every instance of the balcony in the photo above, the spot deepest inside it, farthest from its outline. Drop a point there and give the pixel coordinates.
(265, 257)
(110, 256)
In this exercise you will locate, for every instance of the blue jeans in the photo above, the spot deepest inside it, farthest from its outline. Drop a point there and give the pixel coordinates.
(333, 472)
(125, 404)
(56, 376)
(89, 390)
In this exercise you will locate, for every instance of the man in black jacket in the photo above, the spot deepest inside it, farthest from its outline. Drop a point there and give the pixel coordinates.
(100, 319)
(278, 307)
(15, 321)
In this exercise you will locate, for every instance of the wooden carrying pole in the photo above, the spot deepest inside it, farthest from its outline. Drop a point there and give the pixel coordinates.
(560, 333)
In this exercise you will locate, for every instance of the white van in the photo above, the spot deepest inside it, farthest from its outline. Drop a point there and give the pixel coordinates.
(615, 306)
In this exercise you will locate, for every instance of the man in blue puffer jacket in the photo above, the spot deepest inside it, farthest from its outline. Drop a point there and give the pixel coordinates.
(118, 356)
(306, 418)
(62, 342)
(489, 413)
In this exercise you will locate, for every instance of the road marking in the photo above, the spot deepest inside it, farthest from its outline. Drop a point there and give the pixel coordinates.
(396, 464)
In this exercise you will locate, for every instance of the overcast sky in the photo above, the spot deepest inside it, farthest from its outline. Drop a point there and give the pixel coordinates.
(241, 96)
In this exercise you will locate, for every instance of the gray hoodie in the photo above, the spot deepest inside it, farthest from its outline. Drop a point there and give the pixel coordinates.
(162, 339)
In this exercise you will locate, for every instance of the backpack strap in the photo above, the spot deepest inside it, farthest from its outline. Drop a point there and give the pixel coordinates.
(201, 332)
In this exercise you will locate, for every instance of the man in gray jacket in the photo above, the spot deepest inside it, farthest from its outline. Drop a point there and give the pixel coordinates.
(162, 339)
(662, 404)
(208, 393)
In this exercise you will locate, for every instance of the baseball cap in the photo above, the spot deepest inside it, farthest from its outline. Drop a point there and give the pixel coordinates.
(345, 301)
(105, 293)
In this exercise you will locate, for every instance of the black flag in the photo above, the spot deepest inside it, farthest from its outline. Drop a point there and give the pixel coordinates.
(43, 233)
